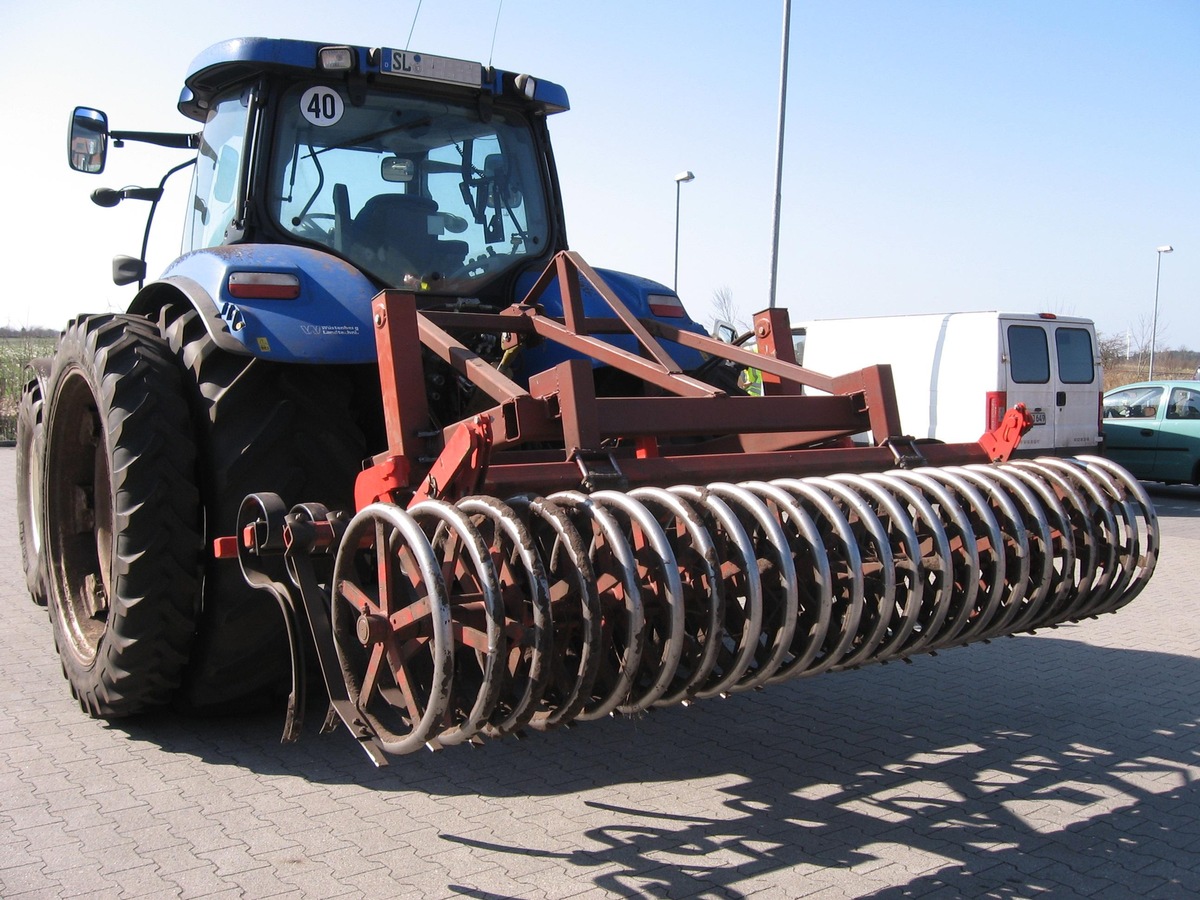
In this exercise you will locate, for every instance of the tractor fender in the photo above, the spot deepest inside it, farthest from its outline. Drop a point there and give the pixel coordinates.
(329, 321)
(632, 290)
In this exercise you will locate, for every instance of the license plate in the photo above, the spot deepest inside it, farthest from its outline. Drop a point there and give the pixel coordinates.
(1039, 417)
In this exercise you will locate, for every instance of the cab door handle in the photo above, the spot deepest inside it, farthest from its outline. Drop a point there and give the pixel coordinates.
(1146, 432)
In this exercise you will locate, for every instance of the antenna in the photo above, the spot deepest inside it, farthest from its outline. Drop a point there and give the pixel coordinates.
(416, 13)
(495, 28)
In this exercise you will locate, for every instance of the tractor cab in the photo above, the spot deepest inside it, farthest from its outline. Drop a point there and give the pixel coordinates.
(425, 173)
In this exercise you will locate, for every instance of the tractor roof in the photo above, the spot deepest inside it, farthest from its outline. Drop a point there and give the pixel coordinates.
(231, 62)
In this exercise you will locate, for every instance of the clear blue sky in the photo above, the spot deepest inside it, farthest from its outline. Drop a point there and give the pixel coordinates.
(1025, 155)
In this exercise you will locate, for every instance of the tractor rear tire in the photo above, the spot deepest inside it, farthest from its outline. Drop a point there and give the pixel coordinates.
(121, 515)
(31, 439)
(262, 426)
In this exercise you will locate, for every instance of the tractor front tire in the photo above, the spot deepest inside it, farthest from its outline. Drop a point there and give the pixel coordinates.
(121, 515)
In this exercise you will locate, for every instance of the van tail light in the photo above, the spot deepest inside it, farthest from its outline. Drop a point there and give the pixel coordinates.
(996, 403)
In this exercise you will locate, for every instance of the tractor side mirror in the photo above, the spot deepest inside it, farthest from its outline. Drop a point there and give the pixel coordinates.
(87, 146)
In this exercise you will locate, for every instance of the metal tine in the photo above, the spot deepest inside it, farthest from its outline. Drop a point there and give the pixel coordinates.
(704, 596)
(1083, 531)
(935, 566)
(528, 624)
(781, 598)
(664, 632)
(964, 556)
(814, 609)
(742, 586)
(1015, 544)
(1043, 579)
(1107, 535)
(1149, 532)
(1125, 534)
(394, 532)
(992, 562)
(846, 579)
(452, 536)
(906, 557)
(1066, 567)
(575, 610)
(617, 583)
(877, 611)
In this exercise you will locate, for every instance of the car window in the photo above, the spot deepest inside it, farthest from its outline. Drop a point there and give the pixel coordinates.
(1029, 354)
(1184, 404)
(1133, 403)
(1075, 362)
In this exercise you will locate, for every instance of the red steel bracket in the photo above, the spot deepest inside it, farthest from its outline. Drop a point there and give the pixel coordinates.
(1000, 443)
(462, 466)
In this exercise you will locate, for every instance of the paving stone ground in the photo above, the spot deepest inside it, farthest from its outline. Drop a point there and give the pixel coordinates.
(1063, 764)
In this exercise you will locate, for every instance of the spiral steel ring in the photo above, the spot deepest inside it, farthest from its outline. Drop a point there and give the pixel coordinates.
(455, 622)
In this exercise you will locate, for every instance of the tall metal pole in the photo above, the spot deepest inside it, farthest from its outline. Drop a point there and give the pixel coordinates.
(1166, 248)
(679, 180)
(675, 283)
(783, 79)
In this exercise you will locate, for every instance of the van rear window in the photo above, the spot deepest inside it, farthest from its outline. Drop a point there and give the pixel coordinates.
(1075, 362)
(1028, 354)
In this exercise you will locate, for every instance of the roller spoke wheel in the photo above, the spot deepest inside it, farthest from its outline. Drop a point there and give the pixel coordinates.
(392, 627)
(525, 598)
(476, 618)
(574, 611)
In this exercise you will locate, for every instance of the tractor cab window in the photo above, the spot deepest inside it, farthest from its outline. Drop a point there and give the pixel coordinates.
(215, 193)
(422, 194)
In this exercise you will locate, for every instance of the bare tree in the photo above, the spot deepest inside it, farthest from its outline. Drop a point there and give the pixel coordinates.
(726, 310)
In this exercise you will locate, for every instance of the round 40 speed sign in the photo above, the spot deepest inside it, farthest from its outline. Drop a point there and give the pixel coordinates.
(321, 105)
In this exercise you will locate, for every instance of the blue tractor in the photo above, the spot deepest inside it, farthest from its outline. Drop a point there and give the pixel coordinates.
(376, 316)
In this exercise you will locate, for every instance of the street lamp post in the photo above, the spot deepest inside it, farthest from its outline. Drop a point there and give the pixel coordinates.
(1166, 248)
(679, 180)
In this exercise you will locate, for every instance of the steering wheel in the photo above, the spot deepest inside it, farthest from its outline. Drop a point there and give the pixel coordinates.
(308, 228)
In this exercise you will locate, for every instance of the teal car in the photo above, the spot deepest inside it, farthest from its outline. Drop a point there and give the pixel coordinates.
(1153, 429)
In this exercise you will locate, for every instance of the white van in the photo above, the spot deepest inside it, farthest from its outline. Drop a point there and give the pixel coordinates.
(956, 373)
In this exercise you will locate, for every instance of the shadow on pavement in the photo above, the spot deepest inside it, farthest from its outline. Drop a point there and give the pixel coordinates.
(1001, 769)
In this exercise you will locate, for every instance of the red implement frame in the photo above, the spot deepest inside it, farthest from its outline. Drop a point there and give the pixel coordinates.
(680, 430)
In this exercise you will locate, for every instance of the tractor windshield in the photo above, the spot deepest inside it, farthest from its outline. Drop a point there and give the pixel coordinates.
(420, 193)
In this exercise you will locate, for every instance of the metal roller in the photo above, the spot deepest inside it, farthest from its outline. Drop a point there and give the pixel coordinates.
(906, 611)
(777, 572)
(1060, 549)
(814, 581)
(392, 627)
(525, 596)
(963, 616)
(879, 570)
(936, 567)
(481, 618)
(742, 593)
(476, 619)
(1039, 541)
(1134, 495)
(621, 614)
(703, 590)
(1082, 529)
(574, 611)
(662, 598)
(847, 581)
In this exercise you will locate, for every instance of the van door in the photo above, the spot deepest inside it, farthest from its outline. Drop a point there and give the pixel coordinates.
(1030, 381)
(1078, 389)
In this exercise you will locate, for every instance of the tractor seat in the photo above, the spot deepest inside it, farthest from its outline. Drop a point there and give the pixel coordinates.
(397, 236)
